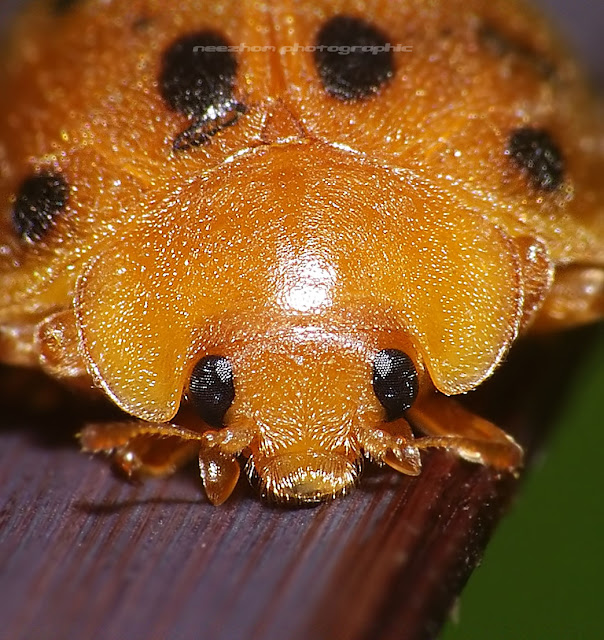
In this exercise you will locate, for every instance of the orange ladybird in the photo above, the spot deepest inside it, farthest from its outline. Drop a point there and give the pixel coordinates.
(292, 230)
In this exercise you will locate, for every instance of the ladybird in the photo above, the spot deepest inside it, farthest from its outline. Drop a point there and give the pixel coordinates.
(292, 232)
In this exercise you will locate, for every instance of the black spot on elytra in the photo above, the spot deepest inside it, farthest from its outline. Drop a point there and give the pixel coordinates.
(502, 45)
(536, 152)
(197, 80)
(40, 200)
(63, 6)
(353, 58)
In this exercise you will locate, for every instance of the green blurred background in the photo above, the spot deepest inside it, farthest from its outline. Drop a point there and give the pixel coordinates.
(542, 577)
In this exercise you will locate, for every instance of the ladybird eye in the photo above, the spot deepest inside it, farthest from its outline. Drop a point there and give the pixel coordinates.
(197, 79)
(536, 152)
(211, 388)
(395, 381)
(40, 200)
(353, 58)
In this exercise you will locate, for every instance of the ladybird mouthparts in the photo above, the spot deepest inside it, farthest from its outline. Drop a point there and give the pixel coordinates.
(304, 477)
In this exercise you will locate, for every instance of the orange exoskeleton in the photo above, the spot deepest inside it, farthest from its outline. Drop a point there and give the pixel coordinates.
(292, 231)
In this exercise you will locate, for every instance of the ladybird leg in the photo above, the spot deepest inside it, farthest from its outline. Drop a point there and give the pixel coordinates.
(141, 448)
(576, 297)
(393, 444)
(17, 345)
(450, 426)
(219, 473)
(144, 448)
(51, 343)
(218, 465)
(537, 276)
(57, 345)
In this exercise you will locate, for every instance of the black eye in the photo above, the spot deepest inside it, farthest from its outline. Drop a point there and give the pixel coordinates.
(353, 58)
(395, 382)
(536, 152)
(40, 200)
(211, 388)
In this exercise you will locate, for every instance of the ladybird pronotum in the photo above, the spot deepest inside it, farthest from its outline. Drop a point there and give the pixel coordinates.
(291, 232)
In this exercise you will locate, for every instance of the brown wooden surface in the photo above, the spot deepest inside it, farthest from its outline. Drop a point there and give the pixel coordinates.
(84, 554)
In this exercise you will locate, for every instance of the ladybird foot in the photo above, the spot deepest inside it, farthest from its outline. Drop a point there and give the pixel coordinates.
(450, 426)
(395, 447)
(145, 448)
(135, 450)
(499, 455)
(447, 425)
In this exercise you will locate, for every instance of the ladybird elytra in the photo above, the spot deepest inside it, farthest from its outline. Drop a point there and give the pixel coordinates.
(292, 232)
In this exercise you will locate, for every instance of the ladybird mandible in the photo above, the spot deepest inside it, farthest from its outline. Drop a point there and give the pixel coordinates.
(292, 231)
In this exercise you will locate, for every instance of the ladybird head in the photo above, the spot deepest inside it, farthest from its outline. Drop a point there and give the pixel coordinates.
(290, 342)
(307, 397)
